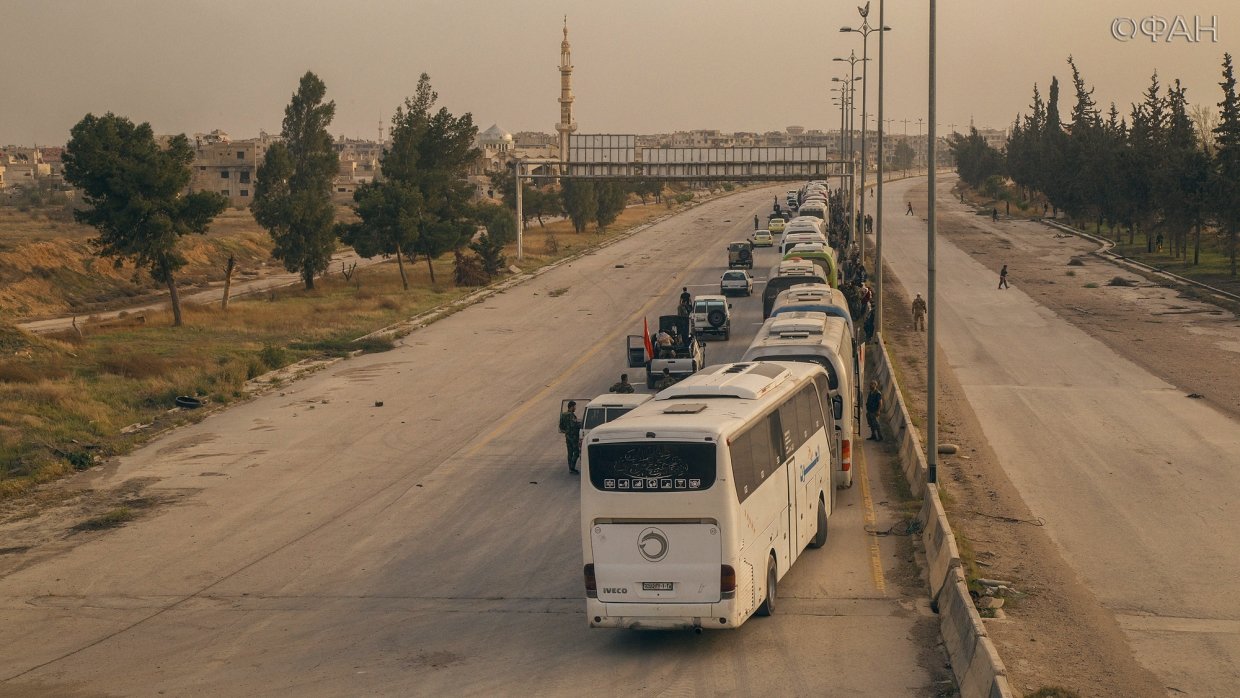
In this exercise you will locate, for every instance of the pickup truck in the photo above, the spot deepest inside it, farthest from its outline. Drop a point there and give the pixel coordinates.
(686, 356)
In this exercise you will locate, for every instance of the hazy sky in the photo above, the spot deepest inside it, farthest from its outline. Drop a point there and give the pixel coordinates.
(642, 66)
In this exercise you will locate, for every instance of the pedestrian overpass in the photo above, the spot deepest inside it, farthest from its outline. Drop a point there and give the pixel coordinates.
(616, 157)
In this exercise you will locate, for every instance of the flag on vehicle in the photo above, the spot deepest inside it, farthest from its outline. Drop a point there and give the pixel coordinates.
(646, 338)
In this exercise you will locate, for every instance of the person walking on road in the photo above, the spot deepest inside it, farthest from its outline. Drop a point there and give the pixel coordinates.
(994, 215)
(621, 386)
(1003, 277)
(909, 212)
(755, 221)
(919, 313)
(570, 427)
(873, 404)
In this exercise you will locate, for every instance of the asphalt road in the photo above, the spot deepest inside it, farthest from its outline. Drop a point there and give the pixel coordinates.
(322, 545)
(1137, 484)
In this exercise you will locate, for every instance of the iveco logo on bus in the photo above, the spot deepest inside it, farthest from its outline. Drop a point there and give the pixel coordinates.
(652, 544)
(615, 590)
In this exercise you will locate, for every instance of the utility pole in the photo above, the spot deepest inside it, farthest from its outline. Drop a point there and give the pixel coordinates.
(932, 429)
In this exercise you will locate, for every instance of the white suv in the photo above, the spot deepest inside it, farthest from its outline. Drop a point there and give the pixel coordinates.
(711, 316)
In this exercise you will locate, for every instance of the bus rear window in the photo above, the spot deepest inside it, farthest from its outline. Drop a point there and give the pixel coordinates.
(652, 467)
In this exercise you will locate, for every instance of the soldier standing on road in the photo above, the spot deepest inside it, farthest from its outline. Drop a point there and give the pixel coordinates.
(570, 427)
(621, 386)
(874, 403)
(919, 313)
(666, 381)
(755, 221)
(1003, 277)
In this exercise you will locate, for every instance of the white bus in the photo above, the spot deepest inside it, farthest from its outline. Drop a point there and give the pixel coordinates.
(826, 341)
(695, 504)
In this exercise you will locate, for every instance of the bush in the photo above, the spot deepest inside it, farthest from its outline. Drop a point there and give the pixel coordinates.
(490, 253)
(469, 270)
(274, 357)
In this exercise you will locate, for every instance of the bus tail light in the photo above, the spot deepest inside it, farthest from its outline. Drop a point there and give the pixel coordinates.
(727, 582)
(591, 584)
(846, 455)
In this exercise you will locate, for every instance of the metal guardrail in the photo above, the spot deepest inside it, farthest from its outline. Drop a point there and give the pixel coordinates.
(1109, 245)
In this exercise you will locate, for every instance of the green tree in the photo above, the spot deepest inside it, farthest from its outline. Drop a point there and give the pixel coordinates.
(292, 198)
(580, 202)
(1083, 156)
(647, 188)
(1052, 144)
(1142, 164)
(1185, 188)
(1225, 174)
(388, 213)
(903, 157)
(490, 251)
(611, 199)
(135, 197)
(501, 225)
(421, 207)
(976, 161)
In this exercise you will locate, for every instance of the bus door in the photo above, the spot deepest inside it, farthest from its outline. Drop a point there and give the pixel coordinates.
(805, 466)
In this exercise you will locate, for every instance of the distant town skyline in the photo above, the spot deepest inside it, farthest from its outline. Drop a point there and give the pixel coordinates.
(640, 67)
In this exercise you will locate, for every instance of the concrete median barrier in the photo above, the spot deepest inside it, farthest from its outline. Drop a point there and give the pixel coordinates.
(942, 555)
(976, 664)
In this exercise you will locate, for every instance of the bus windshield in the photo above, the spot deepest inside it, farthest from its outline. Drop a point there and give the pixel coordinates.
(655, 466)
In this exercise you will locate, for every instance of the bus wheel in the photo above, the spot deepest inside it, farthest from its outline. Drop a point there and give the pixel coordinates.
(820, 535)
(768, 604)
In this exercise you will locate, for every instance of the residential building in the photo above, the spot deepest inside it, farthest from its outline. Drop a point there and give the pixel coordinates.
(226, 166)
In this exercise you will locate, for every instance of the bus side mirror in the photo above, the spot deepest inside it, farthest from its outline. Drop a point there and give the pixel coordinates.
(837, 406)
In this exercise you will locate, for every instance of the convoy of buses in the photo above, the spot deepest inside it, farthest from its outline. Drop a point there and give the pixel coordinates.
(697, 501)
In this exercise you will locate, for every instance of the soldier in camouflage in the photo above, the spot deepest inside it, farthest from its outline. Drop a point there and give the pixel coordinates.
(666, 381)
(621, 386)
(570, 427)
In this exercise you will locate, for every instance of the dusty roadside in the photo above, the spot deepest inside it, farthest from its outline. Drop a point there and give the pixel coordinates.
(1057, 633)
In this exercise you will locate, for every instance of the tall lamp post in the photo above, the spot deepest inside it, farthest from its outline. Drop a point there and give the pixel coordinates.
(932, 430)
(878, 217)
(864, 30)
(851, 92)
(852, 62)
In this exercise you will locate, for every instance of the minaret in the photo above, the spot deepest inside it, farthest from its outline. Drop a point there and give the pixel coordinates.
(566, 125)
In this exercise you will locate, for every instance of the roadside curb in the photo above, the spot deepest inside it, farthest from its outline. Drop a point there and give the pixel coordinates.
(976, 665)
(1132, 265)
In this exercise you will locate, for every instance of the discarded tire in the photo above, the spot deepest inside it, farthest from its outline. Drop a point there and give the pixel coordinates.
(188, 402)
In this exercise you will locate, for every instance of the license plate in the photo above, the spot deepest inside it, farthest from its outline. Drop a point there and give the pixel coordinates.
(656, 586)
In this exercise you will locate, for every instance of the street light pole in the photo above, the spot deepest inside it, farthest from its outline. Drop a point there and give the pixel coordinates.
(852, 60)
(932, 430)
(878, 213)
(864, 30)
(922, 155)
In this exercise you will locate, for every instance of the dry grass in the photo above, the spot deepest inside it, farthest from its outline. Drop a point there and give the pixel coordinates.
(48, 268)
(64, 400)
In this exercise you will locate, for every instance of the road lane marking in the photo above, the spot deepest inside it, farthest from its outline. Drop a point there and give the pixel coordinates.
(876, 561)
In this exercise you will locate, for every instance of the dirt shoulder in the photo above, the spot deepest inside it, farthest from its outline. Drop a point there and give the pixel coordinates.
(1057, 633)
